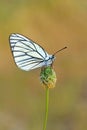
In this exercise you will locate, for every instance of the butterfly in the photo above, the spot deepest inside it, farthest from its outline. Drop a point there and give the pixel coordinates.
(28, 54)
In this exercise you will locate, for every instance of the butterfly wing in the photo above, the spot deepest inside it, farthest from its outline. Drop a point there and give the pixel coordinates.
(27, 54)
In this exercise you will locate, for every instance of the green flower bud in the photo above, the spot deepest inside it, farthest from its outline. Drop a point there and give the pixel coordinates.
(48, 77)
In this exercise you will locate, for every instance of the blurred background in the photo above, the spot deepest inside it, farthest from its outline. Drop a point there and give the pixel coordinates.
(52, 24)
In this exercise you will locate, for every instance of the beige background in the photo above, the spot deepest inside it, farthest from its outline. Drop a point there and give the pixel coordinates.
(52, 24)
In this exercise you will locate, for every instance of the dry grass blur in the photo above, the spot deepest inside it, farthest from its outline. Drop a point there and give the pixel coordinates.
(53, 24)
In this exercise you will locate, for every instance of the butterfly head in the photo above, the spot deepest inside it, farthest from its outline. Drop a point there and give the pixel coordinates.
(52, 57)
(49, 60)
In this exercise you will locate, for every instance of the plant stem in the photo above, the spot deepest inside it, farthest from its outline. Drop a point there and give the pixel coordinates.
(46, 108)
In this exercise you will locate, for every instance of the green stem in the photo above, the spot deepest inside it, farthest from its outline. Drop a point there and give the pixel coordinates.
(46, 109)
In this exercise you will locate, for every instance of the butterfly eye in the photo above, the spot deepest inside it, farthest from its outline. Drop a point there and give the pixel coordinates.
(53, 57)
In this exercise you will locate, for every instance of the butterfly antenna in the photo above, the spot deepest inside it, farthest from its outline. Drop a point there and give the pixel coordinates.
(60, 50)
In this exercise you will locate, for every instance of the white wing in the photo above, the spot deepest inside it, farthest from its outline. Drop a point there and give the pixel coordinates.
(27, 54)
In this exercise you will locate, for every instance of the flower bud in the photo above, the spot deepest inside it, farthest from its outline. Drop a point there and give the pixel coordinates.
(48, 77)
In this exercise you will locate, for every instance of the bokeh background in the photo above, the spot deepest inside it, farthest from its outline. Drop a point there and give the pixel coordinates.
(53, 24)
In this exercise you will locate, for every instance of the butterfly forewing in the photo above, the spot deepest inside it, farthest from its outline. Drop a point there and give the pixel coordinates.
(27, 54)
(15, 38)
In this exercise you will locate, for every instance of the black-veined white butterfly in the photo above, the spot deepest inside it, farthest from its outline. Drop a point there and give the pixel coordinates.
(29, 55)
